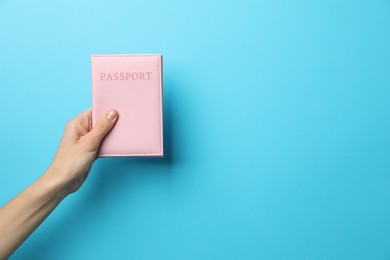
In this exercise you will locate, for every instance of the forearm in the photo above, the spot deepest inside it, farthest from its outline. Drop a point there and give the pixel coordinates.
(69, 169)
(23, 214)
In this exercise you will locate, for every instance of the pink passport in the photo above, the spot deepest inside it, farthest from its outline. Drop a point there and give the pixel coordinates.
(131, 84)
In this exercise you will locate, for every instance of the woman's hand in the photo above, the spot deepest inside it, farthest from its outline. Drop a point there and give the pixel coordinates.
(78, 148)
(69, 169)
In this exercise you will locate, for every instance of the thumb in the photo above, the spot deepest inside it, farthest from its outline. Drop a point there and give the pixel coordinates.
(102, 127)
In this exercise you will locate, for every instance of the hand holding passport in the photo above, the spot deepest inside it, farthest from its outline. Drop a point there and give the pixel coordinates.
(130, 84)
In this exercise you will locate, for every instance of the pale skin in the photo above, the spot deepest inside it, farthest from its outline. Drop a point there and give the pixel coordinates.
(67, 172)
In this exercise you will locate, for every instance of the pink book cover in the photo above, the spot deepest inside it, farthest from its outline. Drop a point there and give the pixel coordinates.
(131, 84)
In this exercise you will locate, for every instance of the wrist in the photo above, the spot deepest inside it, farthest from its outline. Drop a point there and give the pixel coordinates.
(54, 183)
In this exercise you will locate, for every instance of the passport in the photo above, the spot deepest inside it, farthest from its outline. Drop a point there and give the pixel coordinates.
(132, 85)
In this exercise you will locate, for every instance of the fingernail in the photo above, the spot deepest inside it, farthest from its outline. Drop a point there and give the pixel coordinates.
(112, 114)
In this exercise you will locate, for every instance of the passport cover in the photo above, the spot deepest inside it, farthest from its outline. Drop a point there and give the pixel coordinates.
(131, 84)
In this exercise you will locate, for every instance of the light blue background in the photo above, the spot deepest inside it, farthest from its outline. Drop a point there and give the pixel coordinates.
(277, 128)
